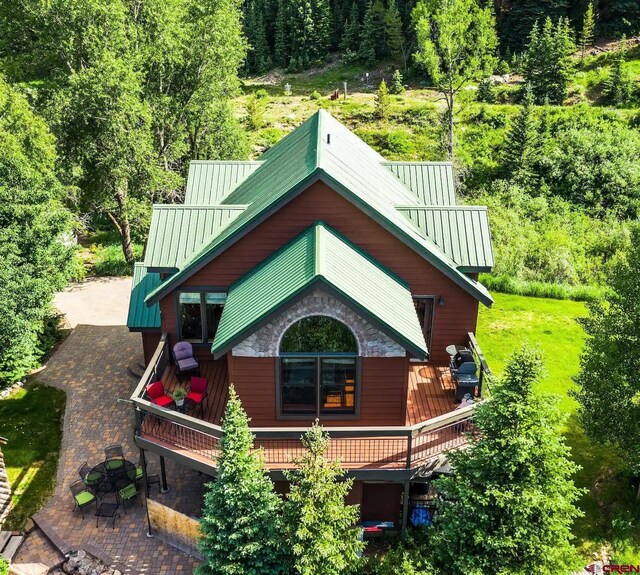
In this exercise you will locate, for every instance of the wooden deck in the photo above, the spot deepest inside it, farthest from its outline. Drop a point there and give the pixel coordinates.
(431, 394)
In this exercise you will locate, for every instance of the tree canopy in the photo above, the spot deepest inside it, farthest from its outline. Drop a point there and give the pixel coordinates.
(510, 504)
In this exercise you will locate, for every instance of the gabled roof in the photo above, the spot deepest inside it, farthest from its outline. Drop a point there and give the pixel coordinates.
(431, 182)
(141, 317)
(460, 231)
(320, 256)
(323, 149)
(209, 182)
(177, 231)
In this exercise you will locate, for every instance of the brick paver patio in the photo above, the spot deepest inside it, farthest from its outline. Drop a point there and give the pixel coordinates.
(91, 366)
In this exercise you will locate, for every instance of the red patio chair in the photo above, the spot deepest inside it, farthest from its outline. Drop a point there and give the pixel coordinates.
(198, 391)
(156, 394)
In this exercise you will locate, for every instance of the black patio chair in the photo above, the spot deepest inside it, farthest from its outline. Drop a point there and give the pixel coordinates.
(82, 495)
(114, 456)
(90, 478)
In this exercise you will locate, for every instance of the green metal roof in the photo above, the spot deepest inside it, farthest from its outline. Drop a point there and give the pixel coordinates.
(209, 181)
(320, 256)
(462, 232)
(177, 231)
(323, 149)
(141, 317)
(431, 182)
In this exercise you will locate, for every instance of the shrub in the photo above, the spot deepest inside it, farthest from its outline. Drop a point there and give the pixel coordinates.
(4, 567)
(109, 260)
(262, 94)
(486, 91)
(256, 107)
(400, 142)
(315, 95)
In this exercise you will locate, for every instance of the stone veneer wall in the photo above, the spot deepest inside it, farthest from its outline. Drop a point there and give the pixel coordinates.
(371, 341)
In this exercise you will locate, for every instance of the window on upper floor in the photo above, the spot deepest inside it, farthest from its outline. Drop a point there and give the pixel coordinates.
(425, 309)
(318, 369)
(199, 314)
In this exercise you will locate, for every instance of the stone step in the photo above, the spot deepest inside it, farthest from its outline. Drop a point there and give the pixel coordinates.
(11, 548)
(50, 533)
(4, 538)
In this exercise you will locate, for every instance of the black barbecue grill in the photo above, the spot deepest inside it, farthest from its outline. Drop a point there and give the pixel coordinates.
(464, 372)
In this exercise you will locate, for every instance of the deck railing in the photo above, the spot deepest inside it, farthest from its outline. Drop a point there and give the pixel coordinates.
(392, 447)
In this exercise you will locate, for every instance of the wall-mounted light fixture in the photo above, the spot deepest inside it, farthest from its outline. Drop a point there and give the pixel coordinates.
(441, 300)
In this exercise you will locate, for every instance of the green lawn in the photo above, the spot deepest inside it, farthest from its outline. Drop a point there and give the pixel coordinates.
(31, 420)
(611, 511)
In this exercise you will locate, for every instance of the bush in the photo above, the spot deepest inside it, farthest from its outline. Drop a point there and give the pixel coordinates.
(262, 94)
(404, 558)
(486, 91)
(315, 95)
(4, 567)
(400, 142)
(109, 260)
(511, 285)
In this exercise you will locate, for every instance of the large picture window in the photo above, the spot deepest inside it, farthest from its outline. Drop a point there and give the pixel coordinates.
(199, 314)
(318, 371)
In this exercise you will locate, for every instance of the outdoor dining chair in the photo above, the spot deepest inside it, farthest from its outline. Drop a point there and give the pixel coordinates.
(90, 478)
(127, 493)
(114, 456)
(184, 359)
(82, 495)
(198, 391)
(156, 394)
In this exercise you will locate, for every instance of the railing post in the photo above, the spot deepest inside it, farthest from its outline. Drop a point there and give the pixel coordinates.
(409, 446)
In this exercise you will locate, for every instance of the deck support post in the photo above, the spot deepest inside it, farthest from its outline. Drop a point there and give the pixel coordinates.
(143, 464)
(163, 475)
(405, 507)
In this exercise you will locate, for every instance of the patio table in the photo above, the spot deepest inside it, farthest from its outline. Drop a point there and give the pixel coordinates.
(112, 478)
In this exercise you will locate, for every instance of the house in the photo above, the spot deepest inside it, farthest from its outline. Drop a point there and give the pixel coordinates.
(325, 283)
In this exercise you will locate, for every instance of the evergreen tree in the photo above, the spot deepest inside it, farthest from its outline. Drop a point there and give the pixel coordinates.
(609, 388)
(310, 33)
(618, 85)
(373, 31)
(548, 62)
(396, 83)
(516, 19)
(240, 522)
(456, 43)
(281, 41)
(588, 29)
(351, 37)
(318, 526)
(382, 102)
(520, 151)
(510, 504)
(393, 30)
(258, 58)
(486, 91)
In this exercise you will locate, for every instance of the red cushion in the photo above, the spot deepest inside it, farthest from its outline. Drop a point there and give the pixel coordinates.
(198, 384)
(162, 401)
(195, 396)
(155, 390)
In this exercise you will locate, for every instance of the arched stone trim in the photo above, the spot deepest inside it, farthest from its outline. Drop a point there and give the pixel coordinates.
(371, 341)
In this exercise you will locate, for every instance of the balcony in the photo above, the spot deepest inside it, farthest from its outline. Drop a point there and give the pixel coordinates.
(434, 424)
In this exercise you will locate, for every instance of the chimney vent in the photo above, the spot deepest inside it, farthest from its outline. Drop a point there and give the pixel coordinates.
(328, 138)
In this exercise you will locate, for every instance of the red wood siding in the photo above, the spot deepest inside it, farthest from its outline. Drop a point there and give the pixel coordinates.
(150, 342)
(383, 394)
(319, 202)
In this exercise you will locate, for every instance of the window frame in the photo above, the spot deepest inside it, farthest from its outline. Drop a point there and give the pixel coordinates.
(433, 299)
(317, 358)
(204, 340)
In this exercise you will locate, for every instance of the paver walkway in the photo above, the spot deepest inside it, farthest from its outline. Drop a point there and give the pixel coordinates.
(91, 367)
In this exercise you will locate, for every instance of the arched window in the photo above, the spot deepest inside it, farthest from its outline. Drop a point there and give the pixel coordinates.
(318, 371)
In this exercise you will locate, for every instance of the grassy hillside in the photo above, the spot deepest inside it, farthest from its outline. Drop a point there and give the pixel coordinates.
(611, 510)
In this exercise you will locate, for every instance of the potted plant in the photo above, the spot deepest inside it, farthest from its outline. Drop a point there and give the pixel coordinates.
(178, 396)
